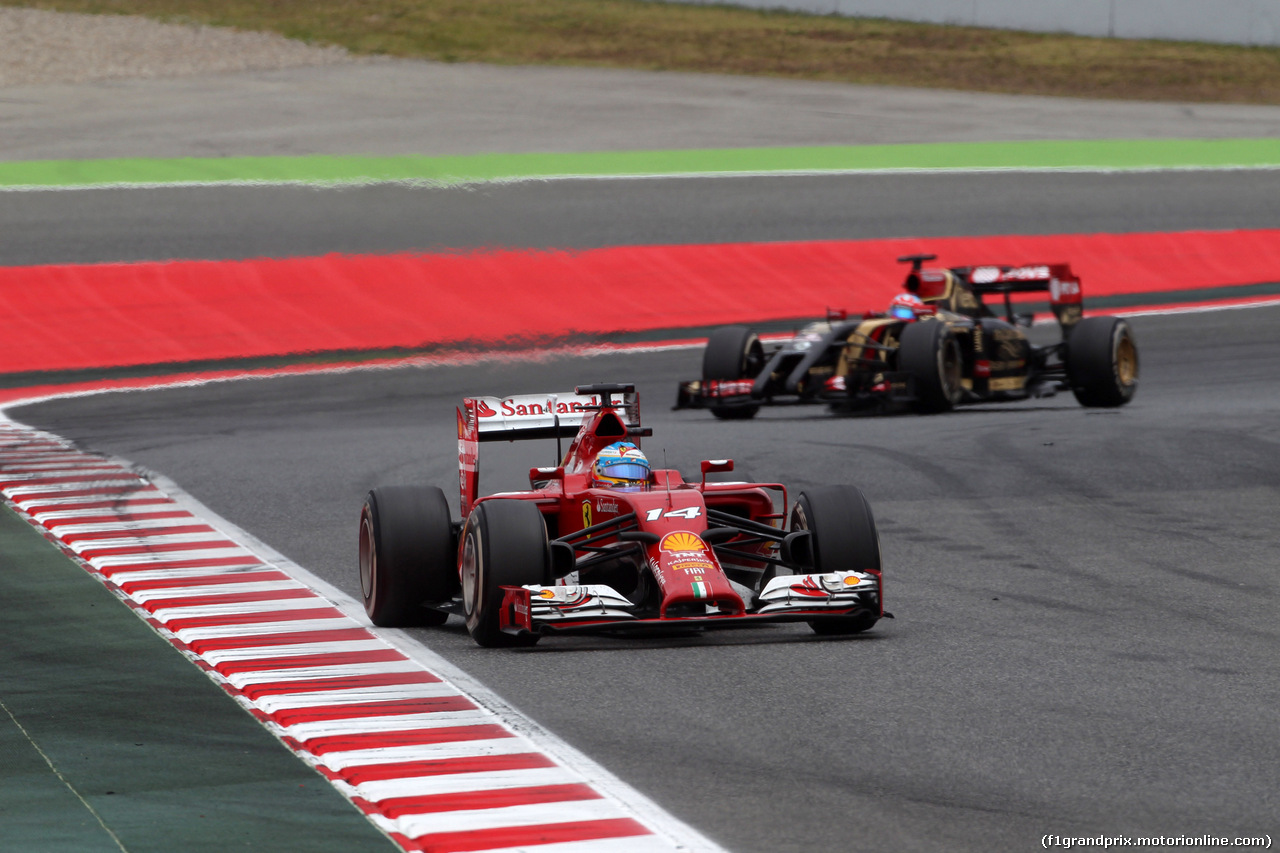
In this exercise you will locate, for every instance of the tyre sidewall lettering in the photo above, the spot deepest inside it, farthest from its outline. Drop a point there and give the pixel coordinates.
(1117, 334)
(1118, 337)
(800, 521)
(472, 580)
(949, 351)
(369, 555)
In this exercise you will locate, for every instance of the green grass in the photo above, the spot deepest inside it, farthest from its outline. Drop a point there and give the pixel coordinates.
(671, 36)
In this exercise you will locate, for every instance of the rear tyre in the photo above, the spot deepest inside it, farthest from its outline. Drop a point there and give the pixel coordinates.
(407, 555)
(504, 544)
(733, 352)
(1102, 362)
(930, 352)
(844, 537)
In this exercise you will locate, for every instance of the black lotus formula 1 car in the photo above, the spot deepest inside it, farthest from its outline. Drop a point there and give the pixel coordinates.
(949, 350)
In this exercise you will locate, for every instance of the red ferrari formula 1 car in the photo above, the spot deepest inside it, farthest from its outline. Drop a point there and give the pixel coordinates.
(940, 346)
(585, 551)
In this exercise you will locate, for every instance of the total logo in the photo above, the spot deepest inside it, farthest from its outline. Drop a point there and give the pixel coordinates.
(990, 275)
(985, 275)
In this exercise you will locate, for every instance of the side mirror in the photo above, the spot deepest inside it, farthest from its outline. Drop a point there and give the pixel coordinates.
(563, 558)
(545, 475)
(797, 549)
(712, 465)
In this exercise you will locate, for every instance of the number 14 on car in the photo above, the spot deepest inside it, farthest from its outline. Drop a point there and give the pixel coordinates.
(687, 512)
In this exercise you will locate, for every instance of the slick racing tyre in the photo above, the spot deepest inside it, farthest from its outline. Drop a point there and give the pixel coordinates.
(733, 352)
(844, 538)
(504, 544)
(930, 352)
(407, 555)
(1102, 362)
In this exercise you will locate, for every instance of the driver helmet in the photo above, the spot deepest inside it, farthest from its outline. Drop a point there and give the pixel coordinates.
(905, 306)
(621, 465)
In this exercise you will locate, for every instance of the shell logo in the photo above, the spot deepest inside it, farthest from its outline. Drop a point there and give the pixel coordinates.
(852, 581)
(681, 541)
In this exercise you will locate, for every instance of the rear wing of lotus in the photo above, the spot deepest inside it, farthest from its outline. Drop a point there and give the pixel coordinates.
(1063, 287)
(528, 416)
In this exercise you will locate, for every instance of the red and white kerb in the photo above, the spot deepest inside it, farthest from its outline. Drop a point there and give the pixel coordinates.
(429, 765)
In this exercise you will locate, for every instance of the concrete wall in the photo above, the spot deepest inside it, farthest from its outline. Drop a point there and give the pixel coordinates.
(1254, 22)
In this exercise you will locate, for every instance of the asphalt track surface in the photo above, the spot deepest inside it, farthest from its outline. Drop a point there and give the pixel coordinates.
(1086, 600)
(1086, 639)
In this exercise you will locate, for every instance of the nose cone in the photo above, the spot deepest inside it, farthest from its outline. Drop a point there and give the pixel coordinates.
(690, 575)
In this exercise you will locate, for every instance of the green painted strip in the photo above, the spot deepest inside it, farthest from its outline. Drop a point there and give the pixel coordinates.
(1028, 155)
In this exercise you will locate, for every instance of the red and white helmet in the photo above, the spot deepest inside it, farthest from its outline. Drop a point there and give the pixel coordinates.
(906, 306)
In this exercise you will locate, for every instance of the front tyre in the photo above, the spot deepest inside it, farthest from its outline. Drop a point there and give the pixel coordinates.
(732, 353)
(844, 538)
(504, 544)
(930, 352)
(1102, 362)
(407, 555)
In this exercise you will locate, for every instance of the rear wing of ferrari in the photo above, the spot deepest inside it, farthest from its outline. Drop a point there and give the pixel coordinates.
(1062, 285)
(526, 416)
(529, 416)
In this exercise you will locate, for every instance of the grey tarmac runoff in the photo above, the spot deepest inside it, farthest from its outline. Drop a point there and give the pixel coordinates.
(226, 223)
(1085, 640)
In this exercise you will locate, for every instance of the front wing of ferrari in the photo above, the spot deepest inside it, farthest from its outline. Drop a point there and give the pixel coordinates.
(594, 608)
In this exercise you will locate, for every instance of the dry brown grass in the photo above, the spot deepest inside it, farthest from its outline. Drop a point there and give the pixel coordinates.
(651, 35)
